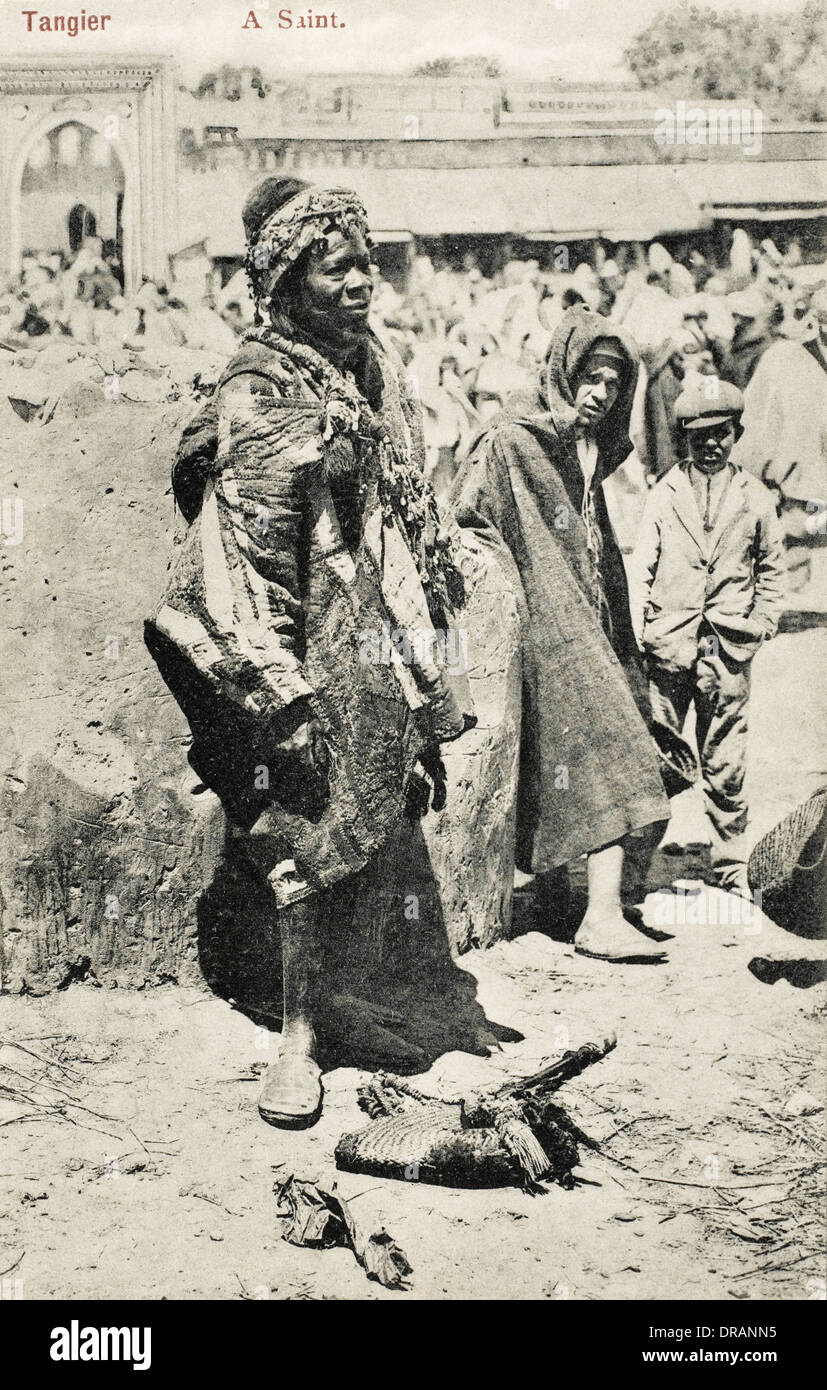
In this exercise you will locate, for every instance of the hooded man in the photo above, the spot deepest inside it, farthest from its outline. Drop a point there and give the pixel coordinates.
(785, 420)
(682, 359)
(532, 488)
(751, 337)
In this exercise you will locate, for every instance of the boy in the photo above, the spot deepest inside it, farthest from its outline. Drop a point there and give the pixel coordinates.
(706, 590)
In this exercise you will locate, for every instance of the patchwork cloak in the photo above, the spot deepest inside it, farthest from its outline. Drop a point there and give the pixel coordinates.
(287, 599)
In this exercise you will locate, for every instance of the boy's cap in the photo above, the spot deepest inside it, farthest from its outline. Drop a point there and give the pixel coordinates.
(697, 409)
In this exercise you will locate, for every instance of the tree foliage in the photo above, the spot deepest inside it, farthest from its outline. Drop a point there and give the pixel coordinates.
(475, 66)
(777, 62)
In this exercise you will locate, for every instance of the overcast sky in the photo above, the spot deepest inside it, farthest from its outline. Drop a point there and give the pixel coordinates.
(577, 39)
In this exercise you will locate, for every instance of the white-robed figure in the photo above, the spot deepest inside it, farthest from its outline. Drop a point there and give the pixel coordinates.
(785, 417)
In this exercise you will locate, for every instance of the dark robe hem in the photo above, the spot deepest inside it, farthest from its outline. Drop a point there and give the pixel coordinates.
(604, 830)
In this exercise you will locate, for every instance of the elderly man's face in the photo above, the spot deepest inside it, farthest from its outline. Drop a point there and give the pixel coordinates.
(337, 289)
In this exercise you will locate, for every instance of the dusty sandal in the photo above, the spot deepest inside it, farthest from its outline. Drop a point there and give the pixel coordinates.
(620, 945)
(291, 1095)
(634, 957)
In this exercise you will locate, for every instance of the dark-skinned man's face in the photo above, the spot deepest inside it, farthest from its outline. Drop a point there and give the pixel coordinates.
(337, 290)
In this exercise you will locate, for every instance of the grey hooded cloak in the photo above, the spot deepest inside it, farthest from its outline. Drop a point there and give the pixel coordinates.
(589, 770)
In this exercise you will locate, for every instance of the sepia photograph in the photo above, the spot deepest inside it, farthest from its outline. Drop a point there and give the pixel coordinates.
(413, 732)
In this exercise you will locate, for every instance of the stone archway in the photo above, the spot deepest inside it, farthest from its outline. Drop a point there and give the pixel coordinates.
(72, 185)
(48, 129)
(128, 102)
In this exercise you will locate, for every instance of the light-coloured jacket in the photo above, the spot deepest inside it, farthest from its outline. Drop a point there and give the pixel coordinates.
(732, 578)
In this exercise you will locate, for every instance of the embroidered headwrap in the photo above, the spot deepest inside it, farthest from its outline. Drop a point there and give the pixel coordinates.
(284, 218)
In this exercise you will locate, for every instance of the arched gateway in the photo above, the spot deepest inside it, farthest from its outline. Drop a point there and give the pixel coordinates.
(72, 187)
(108, 129)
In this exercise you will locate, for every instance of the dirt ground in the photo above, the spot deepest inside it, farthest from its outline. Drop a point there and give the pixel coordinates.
(138, 1166)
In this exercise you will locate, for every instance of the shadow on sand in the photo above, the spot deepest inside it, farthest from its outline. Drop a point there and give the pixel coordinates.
(393, 997)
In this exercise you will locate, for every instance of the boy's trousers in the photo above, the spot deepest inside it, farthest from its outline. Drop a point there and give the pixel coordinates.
(719, 689)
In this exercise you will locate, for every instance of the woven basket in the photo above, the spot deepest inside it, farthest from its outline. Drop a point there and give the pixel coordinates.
(789, 869)
(429, 1145)
(514, 1134)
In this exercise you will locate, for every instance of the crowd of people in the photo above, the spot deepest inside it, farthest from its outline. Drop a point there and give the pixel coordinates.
(469, 340)
(543, 408)
(81, 297)
(758, 322)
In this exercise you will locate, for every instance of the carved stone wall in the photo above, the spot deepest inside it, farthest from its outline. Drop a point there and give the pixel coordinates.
(128, 101)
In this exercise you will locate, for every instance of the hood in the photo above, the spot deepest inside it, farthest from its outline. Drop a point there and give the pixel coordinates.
(573, 339)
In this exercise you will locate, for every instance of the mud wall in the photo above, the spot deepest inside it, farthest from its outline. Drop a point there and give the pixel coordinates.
(105, 853)
(100, 856)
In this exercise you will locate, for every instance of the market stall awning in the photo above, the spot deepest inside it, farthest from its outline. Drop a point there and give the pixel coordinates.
(617, 201)
(761, 190)
(388, 235)
(566, 202)
(572, 201)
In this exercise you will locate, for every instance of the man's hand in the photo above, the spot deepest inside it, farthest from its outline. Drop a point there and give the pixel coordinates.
(427, 785)
(435, 771)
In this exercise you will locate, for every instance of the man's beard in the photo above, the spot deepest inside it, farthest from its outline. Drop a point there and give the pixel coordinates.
(317, 330)
(337, 343)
